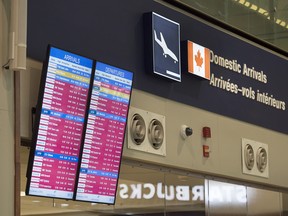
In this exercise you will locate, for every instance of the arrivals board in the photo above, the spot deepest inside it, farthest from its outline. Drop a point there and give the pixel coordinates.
(61, 123)
(66, 132)
(104, 135)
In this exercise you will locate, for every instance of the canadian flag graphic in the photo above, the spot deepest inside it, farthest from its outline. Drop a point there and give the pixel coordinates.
(198, 60)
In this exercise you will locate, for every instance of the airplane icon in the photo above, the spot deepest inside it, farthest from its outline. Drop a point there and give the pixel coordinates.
(166, 50)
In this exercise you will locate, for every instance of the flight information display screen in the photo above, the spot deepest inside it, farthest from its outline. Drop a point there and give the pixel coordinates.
(79, 129)
(103, 142)
(61, 118)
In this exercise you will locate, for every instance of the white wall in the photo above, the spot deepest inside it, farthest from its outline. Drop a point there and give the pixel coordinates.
(225, 159)
(29, 80)
(6, 118)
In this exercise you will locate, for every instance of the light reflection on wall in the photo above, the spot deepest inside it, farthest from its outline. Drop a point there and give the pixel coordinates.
(223, 192)
(225, 198)
(161, 191)
(218, 192)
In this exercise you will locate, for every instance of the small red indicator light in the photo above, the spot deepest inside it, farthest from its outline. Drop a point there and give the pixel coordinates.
(206, 132)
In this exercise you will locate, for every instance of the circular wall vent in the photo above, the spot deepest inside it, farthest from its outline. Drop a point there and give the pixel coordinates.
(249, 156)
(156, 133)
(137, 129)
(261, 159)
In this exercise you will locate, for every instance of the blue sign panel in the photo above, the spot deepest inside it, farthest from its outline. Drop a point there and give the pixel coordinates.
(165, 37)
(247, 81)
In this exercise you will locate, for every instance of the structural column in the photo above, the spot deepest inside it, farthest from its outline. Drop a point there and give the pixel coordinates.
(7, 141)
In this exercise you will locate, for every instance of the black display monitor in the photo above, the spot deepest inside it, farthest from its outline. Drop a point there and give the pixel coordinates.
(104, 136)
(66, 132)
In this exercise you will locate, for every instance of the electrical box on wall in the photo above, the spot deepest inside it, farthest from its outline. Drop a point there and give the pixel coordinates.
(146, 131)
(255, 160)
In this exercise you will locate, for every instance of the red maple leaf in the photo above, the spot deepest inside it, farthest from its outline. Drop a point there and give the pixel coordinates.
(198, 59)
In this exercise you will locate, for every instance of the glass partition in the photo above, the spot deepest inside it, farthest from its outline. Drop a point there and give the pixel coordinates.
(232, 199)
(263, 202)
(226, 198)
(157, 191)
(141, 191)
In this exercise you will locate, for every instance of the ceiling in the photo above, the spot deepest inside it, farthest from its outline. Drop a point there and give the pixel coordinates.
(264, 19)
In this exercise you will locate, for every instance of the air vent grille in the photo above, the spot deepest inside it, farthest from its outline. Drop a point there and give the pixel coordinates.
(146, 132)
(249, 156)
(138, 129)
(261, 159)
(156, 133)
(255, 152)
